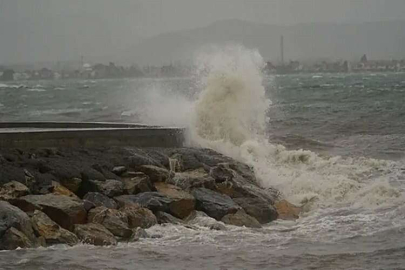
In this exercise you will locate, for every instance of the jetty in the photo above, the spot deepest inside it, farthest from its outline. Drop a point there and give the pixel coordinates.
(87, 134)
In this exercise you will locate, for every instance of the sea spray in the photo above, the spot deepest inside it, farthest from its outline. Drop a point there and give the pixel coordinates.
(230, 114)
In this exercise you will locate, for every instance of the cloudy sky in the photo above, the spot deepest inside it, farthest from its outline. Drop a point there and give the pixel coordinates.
(52, 30)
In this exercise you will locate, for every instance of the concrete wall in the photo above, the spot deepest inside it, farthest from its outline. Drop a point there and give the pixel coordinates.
(104, 134)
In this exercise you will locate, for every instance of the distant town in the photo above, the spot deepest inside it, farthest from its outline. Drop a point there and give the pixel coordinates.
(111, 70)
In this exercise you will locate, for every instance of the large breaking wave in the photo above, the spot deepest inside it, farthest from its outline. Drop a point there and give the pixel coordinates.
(230, 115)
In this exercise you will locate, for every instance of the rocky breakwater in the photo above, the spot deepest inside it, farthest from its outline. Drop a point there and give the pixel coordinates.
(102, 196)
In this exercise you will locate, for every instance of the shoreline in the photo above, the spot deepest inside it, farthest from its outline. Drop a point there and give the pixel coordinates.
(102, 195)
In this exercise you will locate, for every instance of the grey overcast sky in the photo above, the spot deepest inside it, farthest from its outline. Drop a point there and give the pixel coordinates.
(49, 30)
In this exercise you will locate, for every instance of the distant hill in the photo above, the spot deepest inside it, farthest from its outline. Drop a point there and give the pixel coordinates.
(379, 40)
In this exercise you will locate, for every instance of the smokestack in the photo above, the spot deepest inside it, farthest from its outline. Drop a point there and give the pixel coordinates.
(282, 50)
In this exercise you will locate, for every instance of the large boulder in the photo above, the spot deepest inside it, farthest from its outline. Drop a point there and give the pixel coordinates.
(139, 217)
(183, 203)
(156, 174)
(137, 183)
(110, 188)
(151, 200)
(163, 217)
(59, 189)
(216, 205)
(13, 217)
(50, 231)
(94, 234)
(258, 208)
(65, 211)
(13, 239)
(287, 210)
(240, 218)
(192, 179)
(236, 181)
(73, 184)
(98, 199)
(13, 190)
(112, 219)
(199, 218)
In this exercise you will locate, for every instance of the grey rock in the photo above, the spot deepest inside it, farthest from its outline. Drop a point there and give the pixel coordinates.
(139, 216)
(151, 200)
(94, 234)
(163, 218)
(98, 199)
(50, 231)
(137, 183)
(73, 184)
(202, 219)
(65, 211)
(13, 217)
(192, 179)
(13, 239)
(110, 188)
(216, 205)
(156, 174)
(139, 233)
(258, 208)
(112, 219)
(183, 203)
(240, 218)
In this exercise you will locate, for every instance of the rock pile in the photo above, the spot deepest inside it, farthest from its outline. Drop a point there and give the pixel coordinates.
(101, 196)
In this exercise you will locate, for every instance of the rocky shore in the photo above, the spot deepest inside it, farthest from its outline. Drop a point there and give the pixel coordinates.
(106, 195)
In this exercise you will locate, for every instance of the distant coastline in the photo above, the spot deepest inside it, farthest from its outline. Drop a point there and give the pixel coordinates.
(111, 70)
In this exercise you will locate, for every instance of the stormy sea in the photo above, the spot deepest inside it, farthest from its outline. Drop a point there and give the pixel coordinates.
(332, 143)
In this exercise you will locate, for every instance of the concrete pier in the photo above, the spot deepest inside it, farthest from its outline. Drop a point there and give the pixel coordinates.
(79, 134)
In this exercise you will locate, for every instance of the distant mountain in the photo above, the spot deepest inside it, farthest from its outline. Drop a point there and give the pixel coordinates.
(302, 41)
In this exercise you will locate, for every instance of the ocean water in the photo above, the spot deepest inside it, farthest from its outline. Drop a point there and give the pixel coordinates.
(334, 143)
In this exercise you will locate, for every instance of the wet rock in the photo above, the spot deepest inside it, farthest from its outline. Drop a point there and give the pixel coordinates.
(50, 231)
(238, 185)
(98, 199)
(12, 190)
(119, 170)
(110, 188)
(139, 216)
(183, 203)
(258, 208)
(139, 233)
(13, 217)
(65, 211)
(94, 234)
(156, 174)
(112, 219)
(287, 210)
(202, 219)
(138, 159)
(13, 239)
(192, 179)
(163, 217)
(151, 200)
(58, 189)
(216, 205)
(73, 184)
(240, 218)
(139, 182)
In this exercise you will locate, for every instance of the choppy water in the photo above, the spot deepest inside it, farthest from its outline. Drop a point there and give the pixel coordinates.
(353, 125)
